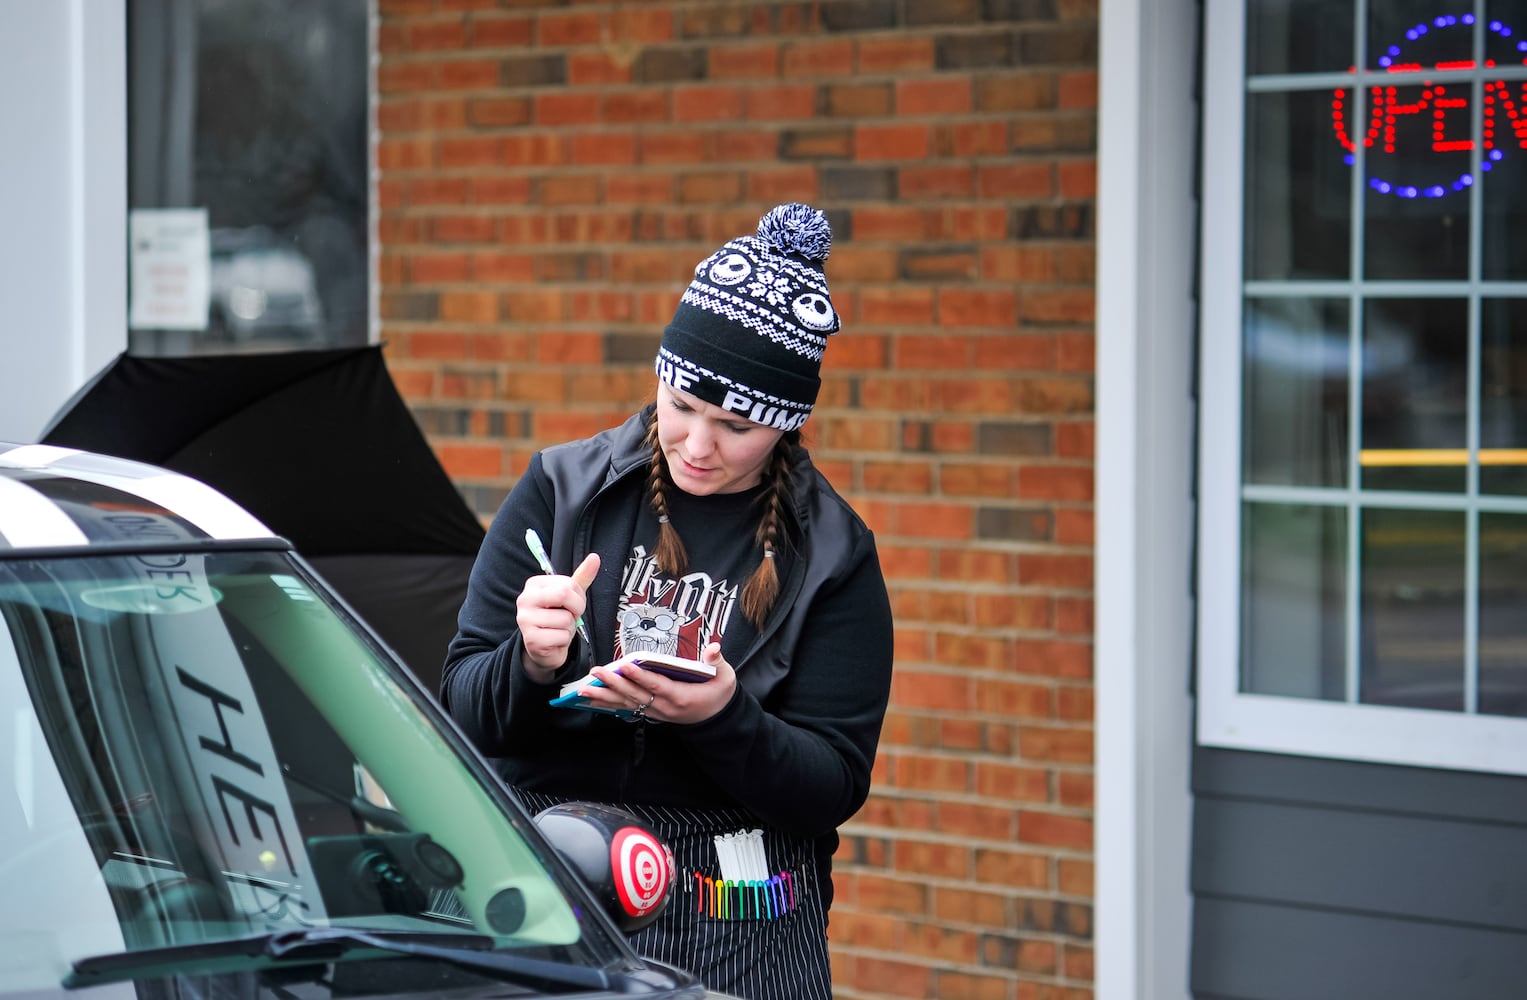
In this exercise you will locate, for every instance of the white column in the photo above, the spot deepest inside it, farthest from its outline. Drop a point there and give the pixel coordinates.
(1145, 326)
(63, 203)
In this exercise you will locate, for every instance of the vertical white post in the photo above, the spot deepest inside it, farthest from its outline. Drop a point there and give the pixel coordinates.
(1147, 223)
(63, 202)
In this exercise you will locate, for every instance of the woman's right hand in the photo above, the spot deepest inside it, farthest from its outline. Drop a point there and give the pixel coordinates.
(546, 611)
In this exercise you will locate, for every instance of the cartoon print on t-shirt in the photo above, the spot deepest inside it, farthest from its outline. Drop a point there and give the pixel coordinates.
(661, 614)
(648, 628)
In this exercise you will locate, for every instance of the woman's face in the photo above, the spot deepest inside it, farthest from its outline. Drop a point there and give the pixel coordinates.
(708, 449)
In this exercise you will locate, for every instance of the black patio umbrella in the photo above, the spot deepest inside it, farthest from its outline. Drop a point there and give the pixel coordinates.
(318, 445)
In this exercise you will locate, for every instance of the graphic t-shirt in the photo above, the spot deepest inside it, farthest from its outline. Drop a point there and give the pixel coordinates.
(680, 615)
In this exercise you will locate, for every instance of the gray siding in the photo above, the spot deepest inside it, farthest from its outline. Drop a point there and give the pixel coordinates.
(1316, 878)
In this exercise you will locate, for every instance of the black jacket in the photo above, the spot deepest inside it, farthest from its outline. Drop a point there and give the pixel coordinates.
(795, 745)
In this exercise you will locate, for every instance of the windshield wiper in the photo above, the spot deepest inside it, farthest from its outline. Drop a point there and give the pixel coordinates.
(468, 951)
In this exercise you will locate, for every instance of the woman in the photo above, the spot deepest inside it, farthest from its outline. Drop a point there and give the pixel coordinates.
(699, 527)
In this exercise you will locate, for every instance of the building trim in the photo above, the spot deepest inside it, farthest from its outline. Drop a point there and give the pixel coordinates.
(1144, 533)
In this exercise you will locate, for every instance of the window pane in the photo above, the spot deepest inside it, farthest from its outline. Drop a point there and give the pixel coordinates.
(1417, 202)
(255, 112)
(1294, 601)
(1295, 392)
(1415, 388)
(1409, 32)
(1298, 36)
(1504, 186)
(1503, 396)
(1412, 607)
(1503, 614)
(1298, 189)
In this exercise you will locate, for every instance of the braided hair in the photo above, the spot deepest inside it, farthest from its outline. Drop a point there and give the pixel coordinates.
(762, 588)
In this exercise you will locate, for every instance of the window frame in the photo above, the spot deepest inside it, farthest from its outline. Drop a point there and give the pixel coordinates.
(1227, 716)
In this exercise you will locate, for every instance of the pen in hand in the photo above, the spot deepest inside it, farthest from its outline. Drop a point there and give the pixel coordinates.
(533, 542)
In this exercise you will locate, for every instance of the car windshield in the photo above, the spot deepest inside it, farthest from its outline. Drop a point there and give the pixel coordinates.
(198, 746)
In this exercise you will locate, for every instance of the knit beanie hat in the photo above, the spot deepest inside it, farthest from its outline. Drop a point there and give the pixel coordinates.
(750, 330)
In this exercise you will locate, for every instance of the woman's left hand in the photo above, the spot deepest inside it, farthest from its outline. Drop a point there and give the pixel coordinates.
(662, 699)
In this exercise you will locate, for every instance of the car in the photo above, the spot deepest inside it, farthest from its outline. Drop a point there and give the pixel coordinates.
(216, 779)
(260, 285)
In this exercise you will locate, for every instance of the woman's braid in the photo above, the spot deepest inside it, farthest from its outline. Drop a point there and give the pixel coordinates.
(670, 554)
(762, 588)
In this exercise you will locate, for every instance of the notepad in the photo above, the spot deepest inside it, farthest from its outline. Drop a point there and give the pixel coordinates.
(676, 667)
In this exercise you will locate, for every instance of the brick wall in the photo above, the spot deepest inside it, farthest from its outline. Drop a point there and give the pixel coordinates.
(550, 173)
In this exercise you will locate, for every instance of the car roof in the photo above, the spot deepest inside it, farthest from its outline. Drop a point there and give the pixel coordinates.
(67, 499)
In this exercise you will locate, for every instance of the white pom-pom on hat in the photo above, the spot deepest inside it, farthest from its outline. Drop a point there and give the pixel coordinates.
(797, 229)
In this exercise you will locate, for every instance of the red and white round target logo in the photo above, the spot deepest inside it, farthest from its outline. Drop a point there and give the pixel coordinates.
(643, 869)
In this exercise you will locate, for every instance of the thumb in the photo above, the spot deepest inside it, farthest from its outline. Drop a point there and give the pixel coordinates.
(587, 570)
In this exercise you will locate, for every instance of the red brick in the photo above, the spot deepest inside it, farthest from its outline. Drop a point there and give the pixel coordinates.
(928, 183)
(1017, 181)
(933, 96)
(919, 772)
(818, 59)
(1075, 877)
(1013, 700)
(978, 307)
(501, 190)
(757, 60)
(604, 148)
(439, 345)
(898, 54)
(469, 307)
(1075, 352)
(1062, 305)
(467, 74)
(470, 461)
(707, 104)
(891, 142)
(942, 692)
(1078, 90)
(1052, 658)
(1074, 527)
(569, 348)
(638, 107)
(1075, 789)
(1012, 782)
(781, 102)
(442, 267)
(970, 480)
(965, 905)
(1055, 482)
(590, 69)
(1078, 180)
(438, 191)
(423, 37)
(473, 151)
(751, 145)
(493, 31)
(1055, 830)
(922, 353)
(625, 188)
(568, 29)
(566, 109)
(645, 23)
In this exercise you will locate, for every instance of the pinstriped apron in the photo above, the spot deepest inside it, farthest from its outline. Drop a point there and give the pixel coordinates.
(756, 941)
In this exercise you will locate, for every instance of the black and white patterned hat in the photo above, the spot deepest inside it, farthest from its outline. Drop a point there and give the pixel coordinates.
(749, 332)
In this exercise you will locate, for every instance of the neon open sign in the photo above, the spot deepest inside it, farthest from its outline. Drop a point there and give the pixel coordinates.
(1441, 114)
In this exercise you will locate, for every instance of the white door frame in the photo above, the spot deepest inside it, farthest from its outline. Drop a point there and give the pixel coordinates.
(1146, 235)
